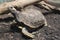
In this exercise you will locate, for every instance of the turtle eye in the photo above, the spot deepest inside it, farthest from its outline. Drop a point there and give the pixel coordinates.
(11, 7)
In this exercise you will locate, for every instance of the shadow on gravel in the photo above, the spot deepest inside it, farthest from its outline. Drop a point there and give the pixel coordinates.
(7, 19)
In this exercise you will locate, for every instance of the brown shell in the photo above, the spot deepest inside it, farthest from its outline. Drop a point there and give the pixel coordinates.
(30, 16)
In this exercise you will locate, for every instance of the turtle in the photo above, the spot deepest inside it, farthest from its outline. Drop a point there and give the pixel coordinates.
(31, 17)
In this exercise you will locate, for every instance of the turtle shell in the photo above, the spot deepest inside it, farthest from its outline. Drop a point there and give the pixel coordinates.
(30, 16)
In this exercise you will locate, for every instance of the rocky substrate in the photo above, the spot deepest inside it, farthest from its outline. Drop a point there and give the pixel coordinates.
(9, 31)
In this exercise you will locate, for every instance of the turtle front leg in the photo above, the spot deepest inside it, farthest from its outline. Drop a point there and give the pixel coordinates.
(25, 32)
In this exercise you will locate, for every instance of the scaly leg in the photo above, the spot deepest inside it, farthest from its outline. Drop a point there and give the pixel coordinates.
(25, 32)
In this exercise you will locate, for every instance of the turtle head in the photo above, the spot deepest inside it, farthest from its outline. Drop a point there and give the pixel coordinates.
(12, 9)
